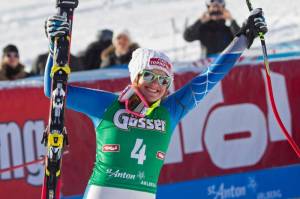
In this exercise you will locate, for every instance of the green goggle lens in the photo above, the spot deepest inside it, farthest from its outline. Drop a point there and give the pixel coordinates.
(149, 77)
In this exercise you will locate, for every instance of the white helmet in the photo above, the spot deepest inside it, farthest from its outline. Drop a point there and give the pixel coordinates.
(143, 58)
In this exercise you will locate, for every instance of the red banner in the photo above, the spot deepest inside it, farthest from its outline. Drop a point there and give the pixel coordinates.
(233, 130)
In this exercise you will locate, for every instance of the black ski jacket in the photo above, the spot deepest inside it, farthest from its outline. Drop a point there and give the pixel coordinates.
(214, 36)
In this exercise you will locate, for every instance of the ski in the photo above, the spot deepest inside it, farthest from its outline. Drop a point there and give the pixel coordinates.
(55, 135)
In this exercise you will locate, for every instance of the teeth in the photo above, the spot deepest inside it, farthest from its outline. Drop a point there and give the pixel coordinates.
(152, 90)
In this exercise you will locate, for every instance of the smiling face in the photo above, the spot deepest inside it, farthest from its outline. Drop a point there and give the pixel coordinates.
(122, 43)
(152, 91)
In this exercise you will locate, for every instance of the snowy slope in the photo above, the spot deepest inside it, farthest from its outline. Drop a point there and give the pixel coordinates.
(155, 24)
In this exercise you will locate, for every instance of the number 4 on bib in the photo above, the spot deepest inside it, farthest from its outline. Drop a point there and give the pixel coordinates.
(139, 151)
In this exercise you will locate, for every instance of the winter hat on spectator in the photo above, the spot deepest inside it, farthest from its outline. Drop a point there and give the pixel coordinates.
(10, 48)
(105, 35)
(119, 32)
(222, 2)
(143, 58)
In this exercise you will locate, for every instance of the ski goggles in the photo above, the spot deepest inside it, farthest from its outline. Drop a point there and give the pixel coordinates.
(162, 80)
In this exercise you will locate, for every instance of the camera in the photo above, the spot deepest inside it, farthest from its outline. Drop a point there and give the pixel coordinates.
(215, 13)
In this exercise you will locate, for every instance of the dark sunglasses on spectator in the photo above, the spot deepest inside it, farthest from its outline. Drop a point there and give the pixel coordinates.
(149, 77)
(11, 55)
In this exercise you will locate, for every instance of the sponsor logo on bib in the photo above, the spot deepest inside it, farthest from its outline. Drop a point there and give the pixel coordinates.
(123, 120)
(120, 174)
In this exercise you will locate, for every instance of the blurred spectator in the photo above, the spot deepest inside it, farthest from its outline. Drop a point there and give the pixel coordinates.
(215, 29)
(120, 51)
(11, 68)
(38, 66)
(92, 56)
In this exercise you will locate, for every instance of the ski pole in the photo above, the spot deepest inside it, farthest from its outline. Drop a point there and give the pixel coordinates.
(270, 90)
(22, 165)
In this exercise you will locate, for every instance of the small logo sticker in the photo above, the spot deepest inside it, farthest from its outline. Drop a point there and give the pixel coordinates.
(160, 62)
(111, 148)
(160, 155)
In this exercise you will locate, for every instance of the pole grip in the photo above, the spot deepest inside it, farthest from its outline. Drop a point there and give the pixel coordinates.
(67, 3)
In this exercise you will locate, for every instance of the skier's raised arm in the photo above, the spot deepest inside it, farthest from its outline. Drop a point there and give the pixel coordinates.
(182, 101)
(134, 133)
(88, 101)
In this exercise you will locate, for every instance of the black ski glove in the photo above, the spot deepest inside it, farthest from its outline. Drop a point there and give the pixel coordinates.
(253, 25)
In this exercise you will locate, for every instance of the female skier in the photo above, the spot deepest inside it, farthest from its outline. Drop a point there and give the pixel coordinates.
(133, 130)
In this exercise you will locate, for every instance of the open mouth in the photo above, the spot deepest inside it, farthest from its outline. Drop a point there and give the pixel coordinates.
(152, 90)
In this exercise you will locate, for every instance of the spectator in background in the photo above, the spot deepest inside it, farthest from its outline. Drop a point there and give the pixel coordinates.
(120, 51)
(38, 66)
(215, 29)
(11, 68)
(92, 56)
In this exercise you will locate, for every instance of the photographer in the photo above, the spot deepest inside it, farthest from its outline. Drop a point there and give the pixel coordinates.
(215, 29)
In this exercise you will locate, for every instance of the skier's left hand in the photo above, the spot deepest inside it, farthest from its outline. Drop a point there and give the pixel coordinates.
(56, 26)
(254, 25)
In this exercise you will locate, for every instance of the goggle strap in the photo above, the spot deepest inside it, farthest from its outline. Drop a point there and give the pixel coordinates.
(140, 96)
(143, 108)
(126, 94)
(132, 112)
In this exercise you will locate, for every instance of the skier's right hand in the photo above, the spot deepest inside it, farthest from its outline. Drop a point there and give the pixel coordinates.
(253, 26)
(56, 26)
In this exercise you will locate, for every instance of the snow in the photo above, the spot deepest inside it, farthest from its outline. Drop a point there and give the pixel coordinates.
(156, 24)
